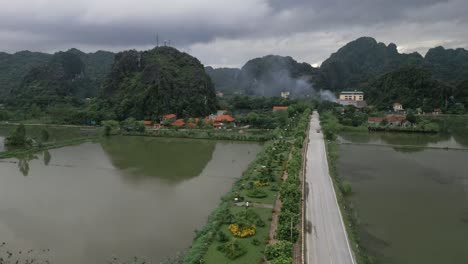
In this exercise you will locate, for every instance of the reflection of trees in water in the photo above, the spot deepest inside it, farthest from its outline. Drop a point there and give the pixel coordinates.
(169, 159)
(47, 157)
(23, 162)
(457, 127)
(24, 159)
(23, 166)
(421, 140)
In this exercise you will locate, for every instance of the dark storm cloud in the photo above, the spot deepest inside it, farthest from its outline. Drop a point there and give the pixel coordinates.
(212, 28)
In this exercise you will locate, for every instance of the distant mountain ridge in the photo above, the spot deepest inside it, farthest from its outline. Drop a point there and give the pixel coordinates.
(29, 77)
(361, 59)
(363, 64)
(13, 68)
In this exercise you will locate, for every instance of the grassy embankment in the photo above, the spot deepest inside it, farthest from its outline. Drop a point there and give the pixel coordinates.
(331, 127)
(258, 135)
(51, 145)
(260, 184)
(59, 137)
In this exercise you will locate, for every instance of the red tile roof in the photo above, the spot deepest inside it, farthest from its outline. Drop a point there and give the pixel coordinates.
(224, 118)
(169, 116)
(276, 108)
(389, 118)
(394, 118)
(179, 123)
(147, 123)
(375, 119)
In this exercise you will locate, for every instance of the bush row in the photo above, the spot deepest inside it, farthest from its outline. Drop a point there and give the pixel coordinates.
(290, 195)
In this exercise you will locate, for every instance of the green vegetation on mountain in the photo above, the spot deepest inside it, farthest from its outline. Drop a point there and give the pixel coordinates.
(439, 80)
(61, 80)
(224, 79)
(156, 82)
(411, 86)
(448, 65)
(359, 60)
(28, 77)
(13, 68)
(97, 67)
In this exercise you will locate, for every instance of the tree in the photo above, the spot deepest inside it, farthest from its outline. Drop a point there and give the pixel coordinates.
(110, 126)
(411, 117)
(18, 137)
(44, 135)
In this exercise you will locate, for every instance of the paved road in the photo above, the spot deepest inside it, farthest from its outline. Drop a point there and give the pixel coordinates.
(326, 240)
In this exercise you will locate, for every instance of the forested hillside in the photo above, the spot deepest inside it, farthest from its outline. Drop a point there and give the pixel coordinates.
(43, 79)
(224, 79)
(13, 68)
(156, 82)
(440, 79)
(359, 60)
(448, 65)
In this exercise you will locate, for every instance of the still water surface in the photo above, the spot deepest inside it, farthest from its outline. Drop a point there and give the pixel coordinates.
(412, 202)
(126, 196)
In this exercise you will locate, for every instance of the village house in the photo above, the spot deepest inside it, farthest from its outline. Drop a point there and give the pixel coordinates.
(178, 123)
(391, 120)
(354, 98)
(395, 120)
(212, 117)
(169, 117)
(279, 108)
(219, 94)
(398, 108)
(223, 120)
(375, 120)
(437, 111)
(148, 123)
(285, 94)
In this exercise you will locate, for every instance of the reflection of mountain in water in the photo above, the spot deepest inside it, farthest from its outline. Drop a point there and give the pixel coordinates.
(169, 159)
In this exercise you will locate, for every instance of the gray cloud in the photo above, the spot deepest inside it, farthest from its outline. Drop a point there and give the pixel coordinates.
(227, 33)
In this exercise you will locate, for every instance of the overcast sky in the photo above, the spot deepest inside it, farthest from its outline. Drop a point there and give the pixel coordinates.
(230, 32)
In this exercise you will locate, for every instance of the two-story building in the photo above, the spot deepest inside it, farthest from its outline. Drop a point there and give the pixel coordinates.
(355, 98)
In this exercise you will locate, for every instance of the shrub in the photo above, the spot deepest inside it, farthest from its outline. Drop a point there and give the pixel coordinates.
(221, 237)
(255, 242)
(280, 249)
(346, 188)
(233, 249)
(110, 126)
(282, 260)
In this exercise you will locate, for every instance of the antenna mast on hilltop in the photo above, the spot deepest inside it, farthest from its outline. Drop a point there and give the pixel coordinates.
(157, 40)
